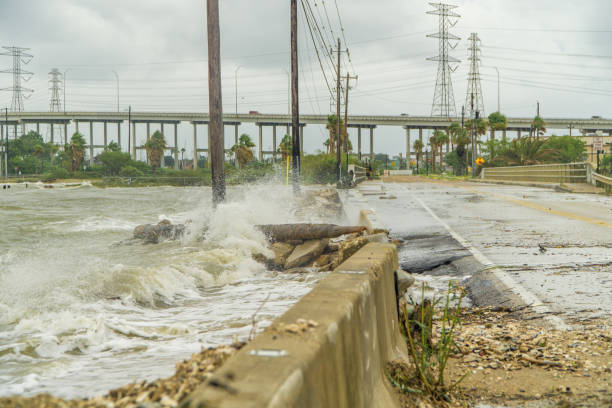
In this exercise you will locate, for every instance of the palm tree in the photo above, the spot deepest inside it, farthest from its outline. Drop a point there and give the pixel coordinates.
(463, 140)
(497, 121)
(443, 139)
(418, 149)
(155, 147)
(244, 150)
(77, 151)
(332, 127)
(526, 152)
(538, 125)
(286, 147)
(52, 149)
(433, 142)
(453, 131)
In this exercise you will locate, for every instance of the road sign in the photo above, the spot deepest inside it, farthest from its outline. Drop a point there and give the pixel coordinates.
(597, 143)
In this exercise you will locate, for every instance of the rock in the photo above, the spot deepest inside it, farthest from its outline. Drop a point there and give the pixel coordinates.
(404, 281)
(322, 261)
(298, 271)
(302, 254)
(153, 233)
(471, 358)
(377, 238)
(281, 252)
(349, 248)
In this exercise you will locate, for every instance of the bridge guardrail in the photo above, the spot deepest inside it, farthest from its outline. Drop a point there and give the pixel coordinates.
(606, 181)
(547, 173)
(359, 173)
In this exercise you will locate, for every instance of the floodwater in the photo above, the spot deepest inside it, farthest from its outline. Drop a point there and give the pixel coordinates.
(81, 312)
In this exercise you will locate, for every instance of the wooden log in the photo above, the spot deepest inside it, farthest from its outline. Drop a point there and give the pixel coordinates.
(303, 232)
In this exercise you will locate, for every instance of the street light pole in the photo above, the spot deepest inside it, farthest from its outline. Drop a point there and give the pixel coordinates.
(130, 130)
(117, 76)
(498, 88)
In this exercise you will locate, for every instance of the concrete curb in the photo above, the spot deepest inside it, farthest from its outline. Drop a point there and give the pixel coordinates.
(340, 362)
(551, 186)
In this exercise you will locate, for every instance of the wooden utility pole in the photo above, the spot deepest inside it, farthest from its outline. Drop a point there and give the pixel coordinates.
(338, 159)
(346, 138)
(215, 102)
(295, 102)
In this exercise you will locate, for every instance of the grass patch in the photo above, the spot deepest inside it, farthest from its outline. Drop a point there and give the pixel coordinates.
(430, 340)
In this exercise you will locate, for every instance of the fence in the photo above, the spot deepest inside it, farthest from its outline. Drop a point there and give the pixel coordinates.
(546, 173)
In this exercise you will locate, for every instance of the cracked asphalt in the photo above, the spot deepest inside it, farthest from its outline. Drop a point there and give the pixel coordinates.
(556, 246)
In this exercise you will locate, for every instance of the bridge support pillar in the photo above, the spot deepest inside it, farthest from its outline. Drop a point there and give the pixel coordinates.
(301, 141)
(359, 143)
(176, 156)
(208, 146)
(76, 126)
(236, 134)
(162, 129)
(38, 128)
(148, 137)
(273, 143)
(518, 132)
(105, 135)
(371, 145)
(65, 134)
(407, 147)
(119, 135)
(91, 144)
(259, 146)
(421, 134)
(133, 140)
(195, 146)
(52, 136)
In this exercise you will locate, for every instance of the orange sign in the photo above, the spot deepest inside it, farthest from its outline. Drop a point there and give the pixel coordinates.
(480, 161)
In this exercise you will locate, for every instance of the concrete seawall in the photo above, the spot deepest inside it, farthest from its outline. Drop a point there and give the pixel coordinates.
(339, 361)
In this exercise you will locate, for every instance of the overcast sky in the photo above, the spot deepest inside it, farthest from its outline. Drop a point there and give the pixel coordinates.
(556, 52)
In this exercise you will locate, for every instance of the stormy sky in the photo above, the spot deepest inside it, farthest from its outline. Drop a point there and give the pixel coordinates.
(557, 53)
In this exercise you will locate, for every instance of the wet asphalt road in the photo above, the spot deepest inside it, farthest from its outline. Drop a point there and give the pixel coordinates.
(555, 247)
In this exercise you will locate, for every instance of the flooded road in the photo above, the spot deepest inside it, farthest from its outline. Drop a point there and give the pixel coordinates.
(81, 313)
(557, 246)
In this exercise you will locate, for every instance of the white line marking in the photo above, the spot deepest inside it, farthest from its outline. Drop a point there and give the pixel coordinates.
(525, 295)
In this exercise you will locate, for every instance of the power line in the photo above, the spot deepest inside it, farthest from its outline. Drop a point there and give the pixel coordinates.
(548, 53)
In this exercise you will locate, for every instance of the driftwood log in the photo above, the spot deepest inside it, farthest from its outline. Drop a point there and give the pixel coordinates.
(305, 232)
(154, 233)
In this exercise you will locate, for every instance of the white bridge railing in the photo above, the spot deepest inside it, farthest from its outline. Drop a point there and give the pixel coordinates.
(357, 174)
(547, 173)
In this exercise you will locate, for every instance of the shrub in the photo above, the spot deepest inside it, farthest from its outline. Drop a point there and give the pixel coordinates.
(130, 171)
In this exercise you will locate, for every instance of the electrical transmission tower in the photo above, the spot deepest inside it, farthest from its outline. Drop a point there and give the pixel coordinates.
(444, 97)
(473, 100)
(20, 56)
(55, 83)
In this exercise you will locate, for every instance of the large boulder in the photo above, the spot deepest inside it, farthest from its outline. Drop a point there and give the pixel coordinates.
(305, 253)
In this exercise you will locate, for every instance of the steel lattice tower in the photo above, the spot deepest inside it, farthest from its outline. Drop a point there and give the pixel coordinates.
(444, 97)
(19, 57)
(473, 99)
(55, 83)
